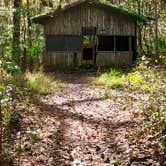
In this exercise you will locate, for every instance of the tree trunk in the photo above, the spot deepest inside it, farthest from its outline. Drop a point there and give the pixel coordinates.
(24, 58)
(29, 35)
(16, 32)
(156, 30)
(139, 30)
(50, 3)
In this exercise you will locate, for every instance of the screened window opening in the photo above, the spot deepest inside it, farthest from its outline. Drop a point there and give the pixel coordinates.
(106, 43)
(63, 43)
(88, 40)
(88, 34)
(122, 43)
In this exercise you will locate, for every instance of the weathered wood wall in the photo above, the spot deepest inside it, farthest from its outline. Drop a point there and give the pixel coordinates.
(103, 58)
(86, 15)
(106, 58)
(61, 59)
(89, 15)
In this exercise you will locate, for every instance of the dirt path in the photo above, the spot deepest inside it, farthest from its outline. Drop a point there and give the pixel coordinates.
(80, 125)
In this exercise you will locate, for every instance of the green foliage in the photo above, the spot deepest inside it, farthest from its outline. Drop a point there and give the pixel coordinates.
(41, 83)
(114, 78)
(35, 50)
(150, 82)
(87, 65)
(135, 78)
(7, 66)
(116, 163)
(141, 78)
(38, 83)
(162, 41)
(9, 99)
(33, 135)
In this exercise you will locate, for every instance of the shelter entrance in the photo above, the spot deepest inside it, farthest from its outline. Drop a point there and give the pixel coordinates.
(88, 53)
(88, 44)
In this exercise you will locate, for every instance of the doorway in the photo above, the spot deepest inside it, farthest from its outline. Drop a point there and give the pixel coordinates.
(88, 53)
(88, 44)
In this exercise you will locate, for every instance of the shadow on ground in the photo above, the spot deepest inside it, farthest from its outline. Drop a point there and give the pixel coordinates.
(105, 149)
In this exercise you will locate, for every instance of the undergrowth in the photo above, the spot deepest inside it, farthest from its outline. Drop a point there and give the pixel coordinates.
(149, 82)
(38, 82)
(16, 91)
(140, 78)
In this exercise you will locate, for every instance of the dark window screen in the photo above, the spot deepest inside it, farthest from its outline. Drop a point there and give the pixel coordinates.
(87, 53)
(122, 43)
(63, 43)
(106, 43)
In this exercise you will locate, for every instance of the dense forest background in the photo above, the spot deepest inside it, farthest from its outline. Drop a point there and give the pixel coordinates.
(22, 41)
(23, 82)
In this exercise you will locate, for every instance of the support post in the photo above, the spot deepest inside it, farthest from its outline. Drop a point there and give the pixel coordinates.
(114, 44)
(130, 50)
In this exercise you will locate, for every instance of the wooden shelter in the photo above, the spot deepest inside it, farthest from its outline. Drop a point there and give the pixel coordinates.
(90, 31)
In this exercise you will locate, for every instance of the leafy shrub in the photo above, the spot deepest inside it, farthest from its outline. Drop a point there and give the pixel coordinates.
(114, 78)
(162, 42)
(10, 97)
(135, 78)
(140, 78)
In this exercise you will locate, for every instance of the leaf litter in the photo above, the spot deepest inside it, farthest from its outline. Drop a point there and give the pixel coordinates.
(80, 125)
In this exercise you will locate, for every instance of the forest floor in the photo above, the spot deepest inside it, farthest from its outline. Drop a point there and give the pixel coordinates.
(84, 124)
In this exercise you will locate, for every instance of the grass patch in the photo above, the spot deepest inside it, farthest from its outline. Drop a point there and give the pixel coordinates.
(41, 83)
(140, 78)
(35, 82)
(38, 82)
(113, 78)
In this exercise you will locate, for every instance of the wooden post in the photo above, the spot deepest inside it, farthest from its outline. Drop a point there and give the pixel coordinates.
(130, 49)
(114, 44)
(114, 47)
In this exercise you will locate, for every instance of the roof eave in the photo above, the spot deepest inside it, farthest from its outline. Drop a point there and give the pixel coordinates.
(41, 19)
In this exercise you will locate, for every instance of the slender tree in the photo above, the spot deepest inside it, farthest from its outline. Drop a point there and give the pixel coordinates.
(16, 32)
(156, 29)
(139, 29)
(29, 34)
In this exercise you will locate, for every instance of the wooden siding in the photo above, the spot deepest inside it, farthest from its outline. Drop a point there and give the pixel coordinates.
(87, 15)
(103, 58)
(71, 21)
(61, 59)
(106, 58)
